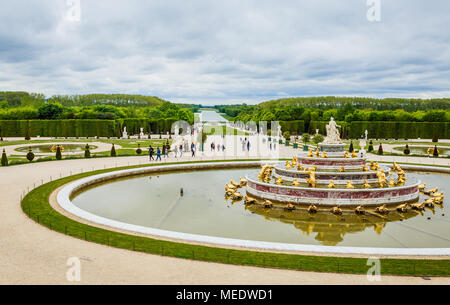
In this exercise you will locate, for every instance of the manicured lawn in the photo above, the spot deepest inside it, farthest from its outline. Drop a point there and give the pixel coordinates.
(36, 206)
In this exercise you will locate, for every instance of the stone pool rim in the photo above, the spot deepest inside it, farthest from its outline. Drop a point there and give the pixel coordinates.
(63, 198)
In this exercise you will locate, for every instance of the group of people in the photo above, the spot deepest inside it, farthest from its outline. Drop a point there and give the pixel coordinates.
(245, 144)
(178, 151)
(219, 147)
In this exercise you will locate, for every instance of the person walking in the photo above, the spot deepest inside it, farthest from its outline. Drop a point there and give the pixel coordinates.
(248, 145)
(193, 150)
(181, 150)
(175, 151)
(158, 154)
(167, 151)
(151, 151)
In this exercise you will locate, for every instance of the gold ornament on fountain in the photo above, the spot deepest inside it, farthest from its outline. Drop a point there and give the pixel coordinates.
(312, 179)
(317, 154)
(249, 200)
(336, 211)
(324, 155)
(365, 169)
(418, 206)
(279, 181)
(295, 182)
(346, 155)
(382, 209)
(299, 167)
(366, 185)
(349, 185)
(331, 185)
(243, 181)
(392, 183)
(360, 210)
(422, 186)
(236, 196)
(237, 185)
(310, 154)
(288, 165)
(312, 209)
(342, 169)
(354, 154)
(429, 192)
(268, 204)
(402, 208)
(290, 207)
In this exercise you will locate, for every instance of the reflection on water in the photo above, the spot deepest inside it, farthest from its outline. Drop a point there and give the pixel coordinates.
(155, 201)
(329, 229)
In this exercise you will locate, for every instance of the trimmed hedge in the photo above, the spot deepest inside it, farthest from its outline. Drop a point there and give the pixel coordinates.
(400, 130)
(82, 128)
(387, 129)
(294, 127)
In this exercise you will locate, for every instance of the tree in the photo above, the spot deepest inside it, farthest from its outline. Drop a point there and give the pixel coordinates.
(113, 151)
(351, 149)
(407, 151)
(435, 151)
(4, 158)
(30, 155)
(370, 146)
(287, 135)
(58, 152)
(50, 111)
(318, 138)
(87, 152)
(306, 137)
(380, 150)
(27, 134)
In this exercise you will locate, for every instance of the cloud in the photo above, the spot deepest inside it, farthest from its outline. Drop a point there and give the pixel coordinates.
(226, 52)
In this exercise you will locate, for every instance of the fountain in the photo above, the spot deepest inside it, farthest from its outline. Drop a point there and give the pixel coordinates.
(332, 177)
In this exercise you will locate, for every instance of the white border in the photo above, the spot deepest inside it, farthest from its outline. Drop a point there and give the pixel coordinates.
(63, 199)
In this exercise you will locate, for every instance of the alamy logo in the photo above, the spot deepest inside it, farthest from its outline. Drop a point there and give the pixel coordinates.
(73, 274)
(374, 272)
(374, 10)
(73, 10)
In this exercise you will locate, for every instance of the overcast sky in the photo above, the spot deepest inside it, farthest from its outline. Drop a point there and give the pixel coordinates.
(226, 51)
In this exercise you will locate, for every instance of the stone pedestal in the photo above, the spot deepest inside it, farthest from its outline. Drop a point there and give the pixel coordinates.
(332, 150)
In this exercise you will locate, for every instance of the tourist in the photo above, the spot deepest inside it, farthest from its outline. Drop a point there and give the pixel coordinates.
(193, 150)
(270, 146)
(176, 151)
(151, 151)
(248, 145)
(167, 150)
(158, 154)
(181, 150)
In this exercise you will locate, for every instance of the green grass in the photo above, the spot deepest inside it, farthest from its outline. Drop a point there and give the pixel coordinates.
(36, 206)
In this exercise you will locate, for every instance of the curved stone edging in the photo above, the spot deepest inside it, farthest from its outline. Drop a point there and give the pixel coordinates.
(64, 195)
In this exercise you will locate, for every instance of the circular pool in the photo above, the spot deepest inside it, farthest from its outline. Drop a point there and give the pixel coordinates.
(51, 148)
(152, 203)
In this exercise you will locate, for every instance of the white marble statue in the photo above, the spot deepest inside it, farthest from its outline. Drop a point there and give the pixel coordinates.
(280, 134)
(142, 132)
(125, 134)
(333, 136)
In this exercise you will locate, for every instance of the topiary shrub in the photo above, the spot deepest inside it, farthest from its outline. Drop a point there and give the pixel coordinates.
(139, 150)
(318, 138)
(435, 151)
(87, 152)
(435, 138)
(351, 148)
(380, 150)
(27, 135)
(407, 151)
(306, 137)
(4, 158)
(370, 146)
(30, 155)
(113, 151)
(58, 153)
(287, 135)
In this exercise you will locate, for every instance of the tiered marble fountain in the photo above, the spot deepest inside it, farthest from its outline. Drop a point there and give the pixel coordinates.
(331, 178)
